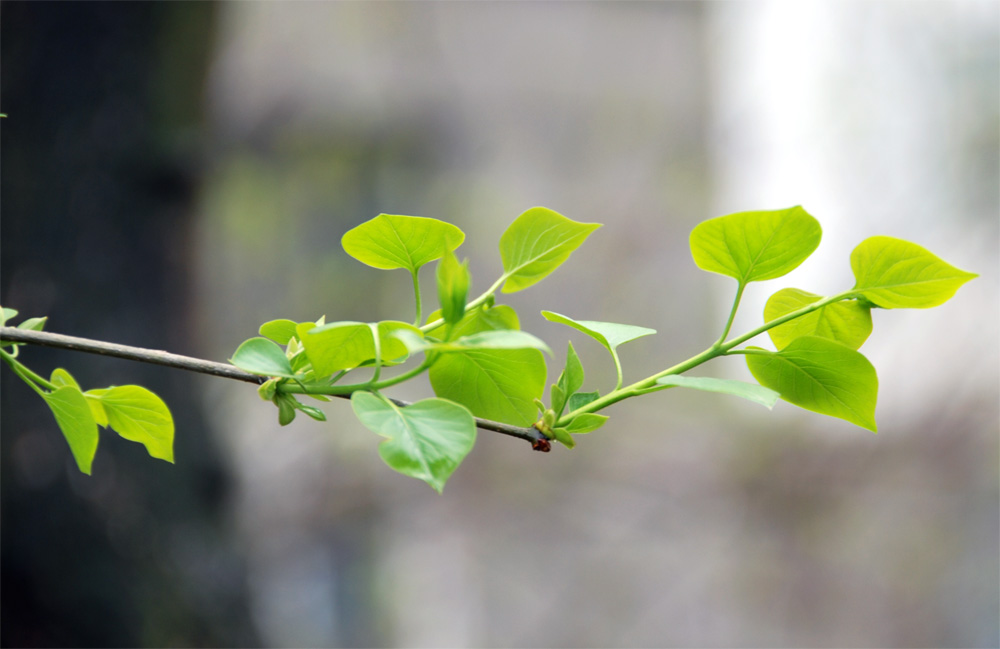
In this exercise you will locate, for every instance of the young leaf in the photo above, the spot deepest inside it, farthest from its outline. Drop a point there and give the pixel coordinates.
(33, 324)
(76, 422)
(262, 356)
(345, 345)
(896, 274)
(609, 334)
(537, 243)
(848, 322)
(570, 381)
(754, 246)
(280, 331)
(820, 375)
(756, 393)
(483, 318)
(563, 436)
(586, 423)
(427, 440)
(453, 286)
(580, 399)
(391, 241)
(61, 377)
(494, 384)
(286, 408)
(6, 314)
(138, 415)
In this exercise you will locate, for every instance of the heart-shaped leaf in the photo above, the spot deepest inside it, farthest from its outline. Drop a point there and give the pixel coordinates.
(280, 331)
(262, 356)
(76, 422)
(896, 274)
(61, 377)
(749, 391)
(537, 243)
(848, 322)
(495, 384)
(393, 241)
(821, 375)
(754, 246)
(139, 415)
(427, 440)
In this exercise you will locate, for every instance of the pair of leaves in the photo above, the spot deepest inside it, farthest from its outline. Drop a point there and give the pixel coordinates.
(132, 411)
(534, 245)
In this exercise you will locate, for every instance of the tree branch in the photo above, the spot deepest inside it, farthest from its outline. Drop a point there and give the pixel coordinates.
(157, 357)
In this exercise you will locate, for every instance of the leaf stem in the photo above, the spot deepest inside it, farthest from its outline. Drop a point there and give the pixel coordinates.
(26, 374)
(416, 294)
(716, 350)
(732, 315)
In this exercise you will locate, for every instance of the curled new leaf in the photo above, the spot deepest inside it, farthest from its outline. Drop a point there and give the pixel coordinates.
(453, 287)
(754, 246)
(756, 393)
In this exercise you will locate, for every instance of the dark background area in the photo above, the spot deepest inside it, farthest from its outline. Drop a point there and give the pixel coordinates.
(101, 161)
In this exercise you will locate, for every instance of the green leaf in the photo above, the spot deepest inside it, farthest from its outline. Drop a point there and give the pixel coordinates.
(499, 339)
(345, 345)
(61, 377)
(537, 243)
(848, 322)
(483, 318)
(427, 440)
(6, 314)
(609, 334)
(280, 331)
(563, 436)
(453, 286)
(262, 356)
(286, 408)
(313, 412)
(820, 375)
(138, 415)
(497, 384)
(76, 422)
(896, 274)
(586, 423)
(570, 381)
(580, 399)
(754, 246)
(756, 393)
(494, 384)
(392, 241)
(33, 324)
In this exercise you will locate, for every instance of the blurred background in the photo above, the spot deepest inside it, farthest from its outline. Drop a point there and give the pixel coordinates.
(175, 174)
